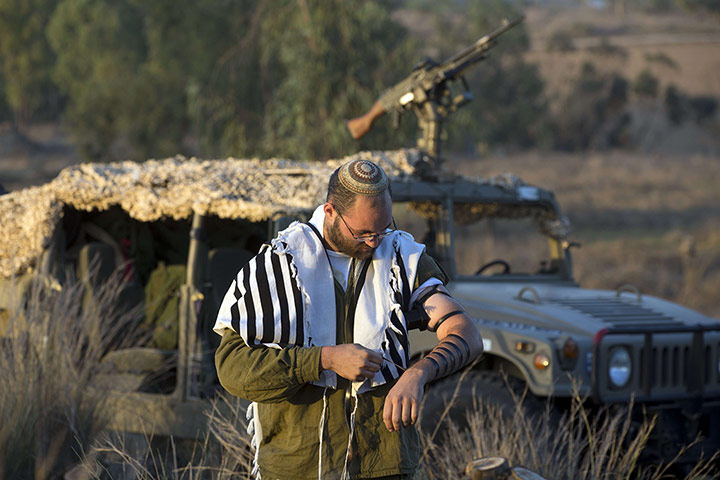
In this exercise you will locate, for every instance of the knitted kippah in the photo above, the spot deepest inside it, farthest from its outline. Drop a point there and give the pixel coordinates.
(363, 177)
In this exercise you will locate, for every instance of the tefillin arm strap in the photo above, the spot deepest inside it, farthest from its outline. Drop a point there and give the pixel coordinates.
(418, 318)
(449, 356)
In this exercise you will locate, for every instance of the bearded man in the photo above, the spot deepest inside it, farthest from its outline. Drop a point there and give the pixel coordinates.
(315, 334)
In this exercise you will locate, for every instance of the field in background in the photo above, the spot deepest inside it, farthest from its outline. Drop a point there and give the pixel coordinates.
(652, 221)
(690, 44)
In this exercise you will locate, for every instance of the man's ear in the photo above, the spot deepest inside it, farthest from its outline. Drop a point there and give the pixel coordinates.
(329, 210)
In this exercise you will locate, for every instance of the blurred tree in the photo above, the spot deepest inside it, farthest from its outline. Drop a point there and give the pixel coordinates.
(130, 68)
(100, 46)
(646, 84)
(702, 5)
(5, 111)
(334, 58)
(26, 59)
(675, 104)
(592, 113)
(220, 77)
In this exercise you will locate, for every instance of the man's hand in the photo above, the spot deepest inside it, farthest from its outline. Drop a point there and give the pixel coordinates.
(402, 403)
(351, 361)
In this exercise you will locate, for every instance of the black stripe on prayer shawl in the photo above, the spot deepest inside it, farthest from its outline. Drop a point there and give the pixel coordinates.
(405, 281)
(298, 302)
(282, 300)
(234, 309)
(249, 305)
(402, 337)
(386, 373)
(268, 315)
(392, 347)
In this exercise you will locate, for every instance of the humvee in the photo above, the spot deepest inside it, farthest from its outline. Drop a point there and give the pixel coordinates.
(184, 227)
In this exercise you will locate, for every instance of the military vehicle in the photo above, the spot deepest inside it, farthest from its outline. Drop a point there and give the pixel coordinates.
(182, 228)
(505, 245)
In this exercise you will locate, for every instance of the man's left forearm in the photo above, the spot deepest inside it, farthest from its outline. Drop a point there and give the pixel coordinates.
(459, 345)
(459, 336)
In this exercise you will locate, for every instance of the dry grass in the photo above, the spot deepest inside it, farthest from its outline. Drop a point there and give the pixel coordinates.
(603, 445)
(223, 453)
(50, 414)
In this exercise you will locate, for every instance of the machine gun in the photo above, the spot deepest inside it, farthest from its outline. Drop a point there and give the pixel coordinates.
(427, 92)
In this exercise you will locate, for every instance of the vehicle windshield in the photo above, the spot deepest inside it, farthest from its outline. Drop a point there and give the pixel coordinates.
(481, 241)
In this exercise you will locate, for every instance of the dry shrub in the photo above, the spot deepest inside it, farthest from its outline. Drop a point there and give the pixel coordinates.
(597, 445)
(50, 414)
(224, 452)
(581, 444)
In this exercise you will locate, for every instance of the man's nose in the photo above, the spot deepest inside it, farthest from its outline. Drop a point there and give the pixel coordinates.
(373, 241)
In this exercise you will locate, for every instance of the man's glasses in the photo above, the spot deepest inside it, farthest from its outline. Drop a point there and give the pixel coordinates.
(370, 236)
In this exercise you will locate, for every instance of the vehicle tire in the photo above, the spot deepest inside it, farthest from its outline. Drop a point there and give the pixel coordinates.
(479, 391)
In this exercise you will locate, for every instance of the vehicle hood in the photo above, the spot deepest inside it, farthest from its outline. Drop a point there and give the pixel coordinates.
(566, 308)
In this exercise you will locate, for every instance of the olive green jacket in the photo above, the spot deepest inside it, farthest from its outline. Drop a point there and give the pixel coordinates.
(290, 408)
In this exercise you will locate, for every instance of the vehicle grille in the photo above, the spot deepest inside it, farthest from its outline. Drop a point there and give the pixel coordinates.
(672, 367)
(682, 361)
(671, 362)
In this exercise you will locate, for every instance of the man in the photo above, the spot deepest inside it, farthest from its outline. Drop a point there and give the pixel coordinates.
(315, 333)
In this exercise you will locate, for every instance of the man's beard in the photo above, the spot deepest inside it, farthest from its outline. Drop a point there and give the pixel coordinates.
(350, 247)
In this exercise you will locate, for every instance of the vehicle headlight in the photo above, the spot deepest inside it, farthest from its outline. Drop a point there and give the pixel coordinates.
(619, 367)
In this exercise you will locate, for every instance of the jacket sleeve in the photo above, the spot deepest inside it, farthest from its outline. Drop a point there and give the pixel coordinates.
(264, 374)
(428, 268)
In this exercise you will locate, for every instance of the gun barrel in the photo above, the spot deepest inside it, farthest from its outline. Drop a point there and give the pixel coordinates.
(483, 43)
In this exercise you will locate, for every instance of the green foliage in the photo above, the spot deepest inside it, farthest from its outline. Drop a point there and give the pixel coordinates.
(334, 59)
(646, 84)
(662, 58)
(608, 49)
(592, 113)
(100, 45)
(701, 5)
(129, 67)
(220, 77)
(560, 41)
(26, 59)
(680, 106)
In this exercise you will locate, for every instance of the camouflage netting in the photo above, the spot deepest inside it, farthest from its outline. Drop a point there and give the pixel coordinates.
(467, 213)
(174, 188)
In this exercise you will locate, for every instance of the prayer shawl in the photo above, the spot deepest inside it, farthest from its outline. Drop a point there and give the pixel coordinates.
(285, 296)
